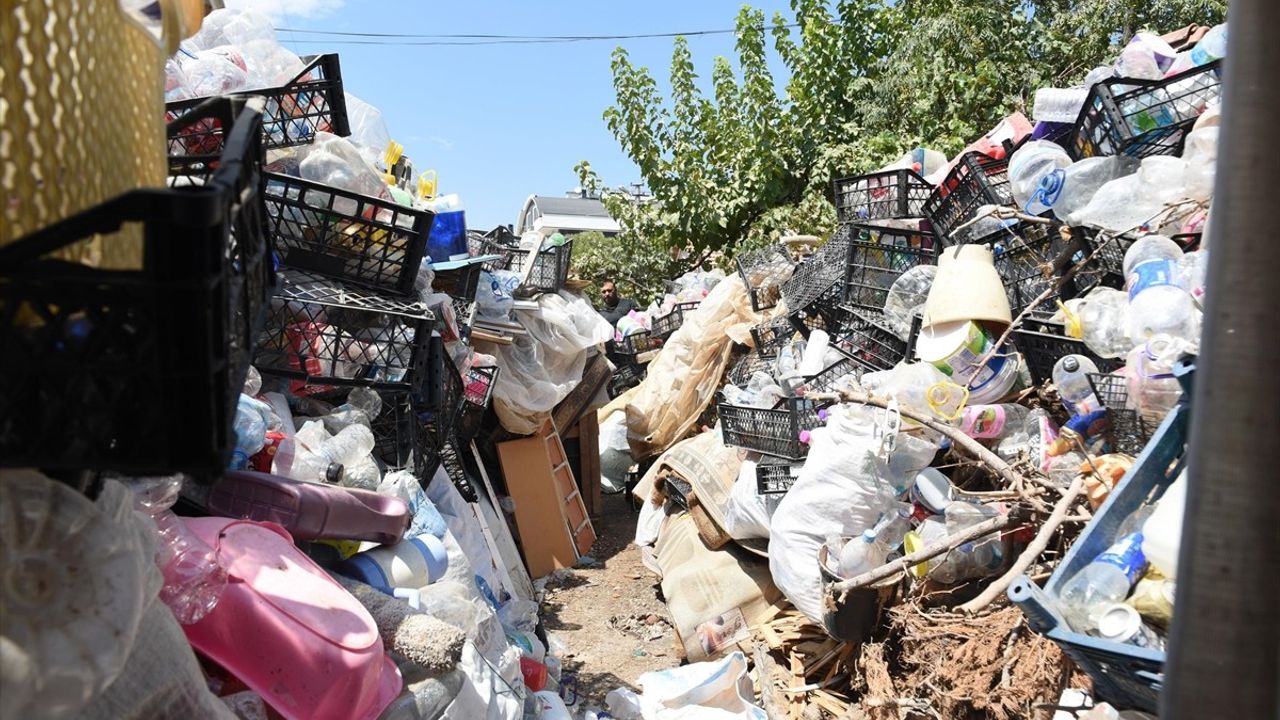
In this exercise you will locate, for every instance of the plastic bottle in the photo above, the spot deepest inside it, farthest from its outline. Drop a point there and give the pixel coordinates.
(979, 558)
(811, 362)
(1081, 180)
(995, 422)
(1157, 301)
(1032, 162)
(1070, 376)
(1153, 389)
(1059, 105)
(1192, 268)
(894, 525)
(861, 554)
(553, 708)
(1104, 322)
(1162, 531)
(1103, 582)
(906, 298)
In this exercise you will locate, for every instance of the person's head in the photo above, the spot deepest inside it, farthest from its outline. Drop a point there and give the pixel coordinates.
(609, 293)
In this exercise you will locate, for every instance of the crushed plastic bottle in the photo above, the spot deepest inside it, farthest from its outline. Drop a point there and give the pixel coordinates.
(193, 577)
(906, 297)
(995, 423)
(1158, 303)
(1153, 389)
(1103, 315)
(1081, 181)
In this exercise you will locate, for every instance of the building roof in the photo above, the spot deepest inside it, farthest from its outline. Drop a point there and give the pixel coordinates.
(587, 207)
(548, 214)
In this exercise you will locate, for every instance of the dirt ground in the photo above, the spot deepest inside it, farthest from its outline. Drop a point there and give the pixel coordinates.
(610, 616)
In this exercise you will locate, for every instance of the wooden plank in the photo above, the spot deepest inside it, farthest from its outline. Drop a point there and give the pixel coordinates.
(589, 461)
(547, 542)
(496, 522)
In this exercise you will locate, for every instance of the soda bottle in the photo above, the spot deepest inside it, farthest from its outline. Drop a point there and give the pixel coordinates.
(1103, 583)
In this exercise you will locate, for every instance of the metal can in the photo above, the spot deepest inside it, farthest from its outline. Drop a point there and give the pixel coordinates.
(1121, 623)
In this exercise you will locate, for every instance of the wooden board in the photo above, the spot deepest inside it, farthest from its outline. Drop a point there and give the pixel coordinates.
(589, 462)
(498, 535)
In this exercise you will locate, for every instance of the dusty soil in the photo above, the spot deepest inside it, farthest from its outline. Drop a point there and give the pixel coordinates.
(611, 615)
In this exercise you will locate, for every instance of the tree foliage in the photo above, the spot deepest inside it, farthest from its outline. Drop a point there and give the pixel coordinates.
(867, 81)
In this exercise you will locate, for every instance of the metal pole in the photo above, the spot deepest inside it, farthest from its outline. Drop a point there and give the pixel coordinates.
(1224, 659)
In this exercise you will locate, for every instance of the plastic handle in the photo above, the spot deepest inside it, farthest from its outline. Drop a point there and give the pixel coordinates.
(427, 184)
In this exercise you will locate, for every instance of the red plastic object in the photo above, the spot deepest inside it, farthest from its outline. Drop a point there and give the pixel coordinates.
(535, 674)
(310, 511)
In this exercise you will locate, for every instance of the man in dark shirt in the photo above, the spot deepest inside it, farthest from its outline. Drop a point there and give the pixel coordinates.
(614, 307)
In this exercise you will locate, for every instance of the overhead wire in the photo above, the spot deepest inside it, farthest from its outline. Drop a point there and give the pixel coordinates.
(464, 39)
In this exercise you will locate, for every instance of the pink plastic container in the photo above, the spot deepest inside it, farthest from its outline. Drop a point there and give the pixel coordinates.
(310, 511)
(290, 632)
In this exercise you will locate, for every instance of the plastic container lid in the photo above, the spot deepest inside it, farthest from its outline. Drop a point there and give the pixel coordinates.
(933, 490)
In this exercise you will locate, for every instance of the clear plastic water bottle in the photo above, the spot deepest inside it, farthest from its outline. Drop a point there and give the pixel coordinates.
(1104, 322)
(1153, 389)
(1032, 162)
(861, 554)
(1105, 581)
(1157, 301)
(1192, 268)
(906, 298)
(1081, 180)
(1070, 376)
(894, 525)
(979, 558)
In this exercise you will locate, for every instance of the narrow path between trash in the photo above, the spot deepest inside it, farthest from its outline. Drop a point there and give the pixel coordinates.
(610, 616)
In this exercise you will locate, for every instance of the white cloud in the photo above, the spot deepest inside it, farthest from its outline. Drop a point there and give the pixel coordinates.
(279, 10)
(442, 142)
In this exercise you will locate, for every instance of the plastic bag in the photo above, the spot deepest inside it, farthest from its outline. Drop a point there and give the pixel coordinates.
(495, 294)
(334, 161)
(426, 518)
(700, 691)
(615, 453)
(747, 515)
(368, 130)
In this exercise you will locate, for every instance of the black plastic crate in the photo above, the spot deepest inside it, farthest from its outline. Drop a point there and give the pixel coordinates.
(877, 257)
(881, 196)
(770, 337)
(439, 399)
(476, 394)
(867, 342)
(1129, 432)
(772, 431)
(450, 457)
(1043, 342)
(976, 180)
(624, 378)
(774, 477)
(814, 277)
(1031, 257)
(498, 241)
(822, 314)
(829, 379)
(365, 240)
(763, 272)
(398, 438)
(746, 366)
(640, 342)
(1127, 116)
(138, 371)
(293, 113)
(550, 265)
(664, 325)
(323, 332)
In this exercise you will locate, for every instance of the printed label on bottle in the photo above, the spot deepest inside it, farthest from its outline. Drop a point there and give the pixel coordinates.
(1152, 273)
(983, 421)
(1126, 554)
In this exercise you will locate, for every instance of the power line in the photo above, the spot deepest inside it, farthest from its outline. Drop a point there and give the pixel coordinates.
(463, 39)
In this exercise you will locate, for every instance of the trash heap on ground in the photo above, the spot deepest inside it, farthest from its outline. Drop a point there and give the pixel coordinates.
(932, 466)
(274, 427)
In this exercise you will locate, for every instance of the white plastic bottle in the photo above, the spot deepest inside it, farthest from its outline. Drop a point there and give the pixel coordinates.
(1071, 377)
(979, 558)
(861, 554)
(1162, 532)
(1102, 583)
(1158, 303)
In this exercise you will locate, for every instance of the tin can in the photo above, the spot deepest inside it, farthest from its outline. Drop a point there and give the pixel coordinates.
(1121, 623)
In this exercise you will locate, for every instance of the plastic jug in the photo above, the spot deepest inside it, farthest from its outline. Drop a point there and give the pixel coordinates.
(310, 511)
(1162, 532)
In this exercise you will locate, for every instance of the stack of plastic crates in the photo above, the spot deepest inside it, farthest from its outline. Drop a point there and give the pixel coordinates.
(439, 400)
(865, 339)
(139, 371)
(1026, 260)
(879, 195)
(1042, 341)
(780, 431)
(877, 258)
(450, 457)
(1123, 674)
(1129, 432)
(544, 269)
(763, 272)
(976, 180)
(1139, 118)
(313, 101)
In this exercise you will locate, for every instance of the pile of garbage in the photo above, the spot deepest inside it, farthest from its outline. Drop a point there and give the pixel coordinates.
(975, 392)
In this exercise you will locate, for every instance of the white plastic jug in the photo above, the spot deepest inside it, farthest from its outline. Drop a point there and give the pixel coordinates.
(1162, 532)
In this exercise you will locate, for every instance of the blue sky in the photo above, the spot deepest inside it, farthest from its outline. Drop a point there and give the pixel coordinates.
(501, 122)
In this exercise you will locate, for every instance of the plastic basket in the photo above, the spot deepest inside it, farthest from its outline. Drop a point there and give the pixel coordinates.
(1129, 432)
(746, 366)
(867, 342)
(772, 431)
(624, 378)
(321, 332)
(439, 399)
(881, 196)
(1043, 342)
(293, 113)
(138, 371)
(449, 456)
(550, 266)
(1126, 116)
(365, 240)
(877, 257)
(1124, 674)
(774, 477)
(664, 325)
(398, 439)
(763, 271)
(976, 180)
(813, 278)
(1026, 256)
(772, 336)
(476, 394)
(498, 241)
